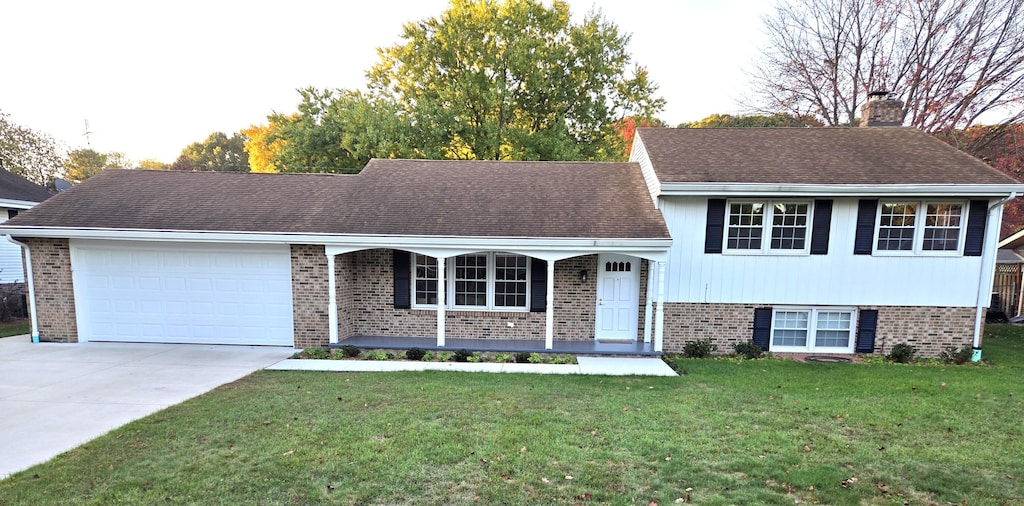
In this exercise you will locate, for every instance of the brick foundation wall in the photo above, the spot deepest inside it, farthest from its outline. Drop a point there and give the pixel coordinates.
(310, 296)
(54, 290)
(929, 329)
(725, 324)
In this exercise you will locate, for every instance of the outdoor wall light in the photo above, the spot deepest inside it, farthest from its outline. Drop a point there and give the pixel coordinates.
(583, 276)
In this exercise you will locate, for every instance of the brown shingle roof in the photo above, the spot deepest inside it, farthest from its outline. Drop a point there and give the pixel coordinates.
(15, 187)
(854, 156)
(390, 197)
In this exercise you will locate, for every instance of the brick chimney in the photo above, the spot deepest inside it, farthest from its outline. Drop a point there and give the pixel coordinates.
(882, 110)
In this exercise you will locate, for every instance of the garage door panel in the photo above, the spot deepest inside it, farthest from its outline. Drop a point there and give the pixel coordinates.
(183, 293)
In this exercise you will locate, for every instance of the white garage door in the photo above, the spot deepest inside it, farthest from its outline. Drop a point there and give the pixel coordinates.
(182, 293)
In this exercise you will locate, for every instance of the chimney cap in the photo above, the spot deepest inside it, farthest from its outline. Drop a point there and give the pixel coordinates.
(880, 94)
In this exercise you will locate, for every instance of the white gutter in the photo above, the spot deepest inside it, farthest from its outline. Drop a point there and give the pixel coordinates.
(18, 204)
(848, 190)
(31, 288)
(987, 262)
(360, 241)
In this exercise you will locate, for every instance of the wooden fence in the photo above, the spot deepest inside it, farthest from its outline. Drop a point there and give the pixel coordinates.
(1006, 289)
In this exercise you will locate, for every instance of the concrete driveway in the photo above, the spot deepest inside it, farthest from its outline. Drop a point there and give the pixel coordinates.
(54, 397)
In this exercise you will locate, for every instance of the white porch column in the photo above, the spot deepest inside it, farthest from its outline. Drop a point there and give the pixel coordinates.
(332, 304)
(659, 319)
(549, 320)
(441, 282)
(648, 305)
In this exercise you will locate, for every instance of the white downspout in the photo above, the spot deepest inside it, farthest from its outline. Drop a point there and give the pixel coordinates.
(31, 288)
(987, 262)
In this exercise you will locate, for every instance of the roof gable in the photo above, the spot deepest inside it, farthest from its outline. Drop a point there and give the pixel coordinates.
(812, 156)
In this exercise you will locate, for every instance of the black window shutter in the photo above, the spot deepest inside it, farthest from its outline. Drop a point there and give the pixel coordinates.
(868, 322)
(762, 327)
(403, 272)
(976, 218)
(538, 284)
(715, 226)
(866, 210)
(821, 226)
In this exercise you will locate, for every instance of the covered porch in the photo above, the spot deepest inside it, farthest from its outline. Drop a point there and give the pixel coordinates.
(570, 287)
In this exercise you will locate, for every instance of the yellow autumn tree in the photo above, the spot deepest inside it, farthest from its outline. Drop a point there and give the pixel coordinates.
(264, 147)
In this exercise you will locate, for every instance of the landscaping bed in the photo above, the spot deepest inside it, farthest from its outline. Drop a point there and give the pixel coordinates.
(349, 352)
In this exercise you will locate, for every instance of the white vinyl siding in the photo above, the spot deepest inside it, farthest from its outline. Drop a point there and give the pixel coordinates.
(839, 278)
(11, 268)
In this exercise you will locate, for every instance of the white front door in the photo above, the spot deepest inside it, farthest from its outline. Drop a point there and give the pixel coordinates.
(618, 297)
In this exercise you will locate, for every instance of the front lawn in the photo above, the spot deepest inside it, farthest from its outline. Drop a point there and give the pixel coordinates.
(735, 432)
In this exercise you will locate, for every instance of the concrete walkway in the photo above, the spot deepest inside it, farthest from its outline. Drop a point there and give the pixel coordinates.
(55, 397)
(610, 366)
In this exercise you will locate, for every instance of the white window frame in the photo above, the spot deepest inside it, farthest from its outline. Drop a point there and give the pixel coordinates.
(450, 285)
(920, 217)
(812, 324)
(766, 228)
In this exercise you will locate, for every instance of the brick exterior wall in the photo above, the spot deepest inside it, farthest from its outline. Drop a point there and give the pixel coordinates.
(310, 296)
(55, 291)
(371, 307)
(929, 329)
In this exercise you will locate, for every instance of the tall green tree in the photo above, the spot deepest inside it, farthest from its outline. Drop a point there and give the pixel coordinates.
(513, 79)
(217, 152)
(31, 154)
(85, 163)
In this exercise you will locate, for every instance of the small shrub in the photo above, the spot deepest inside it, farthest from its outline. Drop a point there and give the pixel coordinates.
(902, 353)
(463, 355)
(535, 358)
(522, 357)
(475, 359)
(748, 350)
(377, 355)
(701, 348)
(503, 358)
(952, 355)
(350, 351)
(444, 357)
(317, 353)
(429, 357)
(415, 354)
(563, 359)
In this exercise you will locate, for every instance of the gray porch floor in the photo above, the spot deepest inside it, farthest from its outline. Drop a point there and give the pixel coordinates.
(589, 347)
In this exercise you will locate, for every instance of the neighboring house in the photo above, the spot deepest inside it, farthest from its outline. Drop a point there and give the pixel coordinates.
(17, 194)
(1009, 277)
(803, 240)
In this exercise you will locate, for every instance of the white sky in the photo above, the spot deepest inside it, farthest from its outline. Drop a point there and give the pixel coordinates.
(153, 77)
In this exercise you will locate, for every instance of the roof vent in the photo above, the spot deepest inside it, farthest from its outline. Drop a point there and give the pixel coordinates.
(882, 109)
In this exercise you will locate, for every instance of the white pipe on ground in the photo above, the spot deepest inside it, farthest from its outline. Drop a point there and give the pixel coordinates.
(987, 262)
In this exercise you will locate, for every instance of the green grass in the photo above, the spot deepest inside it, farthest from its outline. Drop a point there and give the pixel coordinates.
(14, 328)
(736, 432)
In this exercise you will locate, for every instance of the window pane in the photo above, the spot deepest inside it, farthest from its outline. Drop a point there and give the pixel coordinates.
(425, 279)
(471, 280)
(510, 281)
(790, 328)
(789, 225)
(833, 329)
(896, 227)
(942, 227)
(745, 225)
